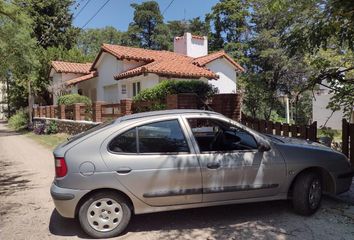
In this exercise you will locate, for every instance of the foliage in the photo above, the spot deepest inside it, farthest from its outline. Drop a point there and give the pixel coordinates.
(70, 99)
(324, 32)
(18, 60)
(52, 22)
(50, 141)
(90, 40)
(51, 128)
(167, 87)
(19, 121)
(147, 29)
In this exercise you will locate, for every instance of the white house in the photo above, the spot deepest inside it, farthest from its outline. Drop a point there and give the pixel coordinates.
(321, 114)
(120, 72)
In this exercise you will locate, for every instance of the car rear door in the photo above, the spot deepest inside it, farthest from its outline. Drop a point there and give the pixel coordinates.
(156, 162)
(234, 173)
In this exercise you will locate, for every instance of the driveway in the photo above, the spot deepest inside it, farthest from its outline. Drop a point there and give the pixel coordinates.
(27, 212)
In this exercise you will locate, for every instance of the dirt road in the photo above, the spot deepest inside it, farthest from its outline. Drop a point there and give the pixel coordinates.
(27, 212)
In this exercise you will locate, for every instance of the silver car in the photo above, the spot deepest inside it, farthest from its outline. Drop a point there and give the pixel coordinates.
(178, 159)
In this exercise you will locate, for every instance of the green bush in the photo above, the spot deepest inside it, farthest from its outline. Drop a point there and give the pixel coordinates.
(51, 128)
(70, 99)
(19, 121)
(167, 87)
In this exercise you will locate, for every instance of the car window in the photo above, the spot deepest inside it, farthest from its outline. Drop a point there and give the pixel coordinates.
(125, 142)
(159, 137)
(162, 137)
(214, 135)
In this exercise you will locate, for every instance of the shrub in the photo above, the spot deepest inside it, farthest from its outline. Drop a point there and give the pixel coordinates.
(51, 128)
(167, 87)
(19, 121)
(70, 99)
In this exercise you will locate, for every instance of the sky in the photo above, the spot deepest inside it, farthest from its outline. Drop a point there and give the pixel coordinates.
(119, 14)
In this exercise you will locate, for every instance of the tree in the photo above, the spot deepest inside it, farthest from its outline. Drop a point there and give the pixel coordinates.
(228, 19)
(52, 22)
(324, 32)
(90, 40)
(147, 29)
(270, 69)
(18, 50)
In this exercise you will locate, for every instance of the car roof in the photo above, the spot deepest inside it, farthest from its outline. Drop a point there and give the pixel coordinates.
(163, 113)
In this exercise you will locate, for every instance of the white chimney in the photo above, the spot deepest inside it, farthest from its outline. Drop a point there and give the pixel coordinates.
(191, 45)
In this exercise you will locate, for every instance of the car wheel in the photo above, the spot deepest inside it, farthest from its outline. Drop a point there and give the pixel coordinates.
(307, 193)
(104, 215)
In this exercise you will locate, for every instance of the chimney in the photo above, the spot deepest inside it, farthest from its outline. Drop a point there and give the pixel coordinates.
(191, 45)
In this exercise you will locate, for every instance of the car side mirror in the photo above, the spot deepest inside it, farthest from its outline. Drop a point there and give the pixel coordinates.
(263, 146)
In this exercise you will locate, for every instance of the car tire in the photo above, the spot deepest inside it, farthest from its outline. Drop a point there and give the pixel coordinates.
(104, 214)
(307, 193)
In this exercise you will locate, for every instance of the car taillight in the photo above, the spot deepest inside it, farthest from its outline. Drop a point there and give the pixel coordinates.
(60, 167)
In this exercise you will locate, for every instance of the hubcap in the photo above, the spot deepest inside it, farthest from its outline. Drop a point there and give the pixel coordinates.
(315, 193)
(104, 214)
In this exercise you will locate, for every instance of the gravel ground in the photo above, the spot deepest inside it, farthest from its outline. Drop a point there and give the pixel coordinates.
(27, 211)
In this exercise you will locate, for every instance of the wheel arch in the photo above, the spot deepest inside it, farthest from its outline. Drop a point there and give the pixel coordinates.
(89, 194)
(327, 179)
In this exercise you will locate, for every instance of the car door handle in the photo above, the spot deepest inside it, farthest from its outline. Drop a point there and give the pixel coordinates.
(124, 170)
(213, 165)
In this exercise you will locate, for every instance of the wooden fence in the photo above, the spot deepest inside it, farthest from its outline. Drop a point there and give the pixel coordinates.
(308, 132)
(348, 140)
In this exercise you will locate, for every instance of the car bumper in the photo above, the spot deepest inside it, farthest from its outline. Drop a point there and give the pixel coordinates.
(344, 181)
(66, 200)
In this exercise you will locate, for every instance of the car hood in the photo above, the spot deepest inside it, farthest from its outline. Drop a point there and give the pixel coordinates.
(299, 142)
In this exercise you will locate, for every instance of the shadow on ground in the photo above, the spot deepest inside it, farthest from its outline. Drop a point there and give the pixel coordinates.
(245, 221)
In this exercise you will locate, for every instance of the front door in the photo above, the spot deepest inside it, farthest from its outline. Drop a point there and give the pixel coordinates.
(232, 167)
(155, 162)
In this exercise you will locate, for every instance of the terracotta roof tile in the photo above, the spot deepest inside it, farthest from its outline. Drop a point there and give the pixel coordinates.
(202, 61)
(81, 78)
(163, 63)
(70, 67)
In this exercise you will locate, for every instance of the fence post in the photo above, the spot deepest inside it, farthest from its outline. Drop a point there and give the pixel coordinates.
(97, 112)
(61, 111)
(77, 112)
(351, 146)
(126, 106)
(345, 137)
(51, 111)
(35, 111)
(172, 101)
(313, 132)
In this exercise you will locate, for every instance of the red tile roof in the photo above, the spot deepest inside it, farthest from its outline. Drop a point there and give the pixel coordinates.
(202, 61)
(82, 78)
(70, 67)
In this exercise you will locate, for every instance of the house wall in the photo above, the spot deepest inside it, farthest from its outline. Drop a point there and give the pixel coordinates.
(193, 47)
(58, 80)
(227, 75)
(146, 81)
(320, 113)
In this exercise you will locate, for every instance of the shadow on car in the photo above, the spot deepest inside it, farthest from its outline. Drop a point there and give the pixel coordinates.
(245, 221)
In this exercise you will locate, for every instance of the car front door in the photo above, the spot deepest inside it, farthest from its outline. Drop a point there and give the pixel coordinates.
(232, 166)
(155, 161)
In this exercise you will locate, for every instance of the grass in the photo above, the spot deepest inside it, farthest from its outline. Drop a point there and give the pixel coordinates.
(49, 141)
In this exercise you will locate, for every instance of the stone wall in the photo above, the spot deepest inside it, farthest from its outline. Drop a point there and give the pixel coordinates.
(66, 126)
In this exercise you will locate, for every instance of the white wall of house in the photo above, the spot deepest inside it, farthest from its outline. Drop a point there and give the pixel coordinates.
(320, 113)
(58, 80)
(227, 75)
(193, 47)
(146, 81)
